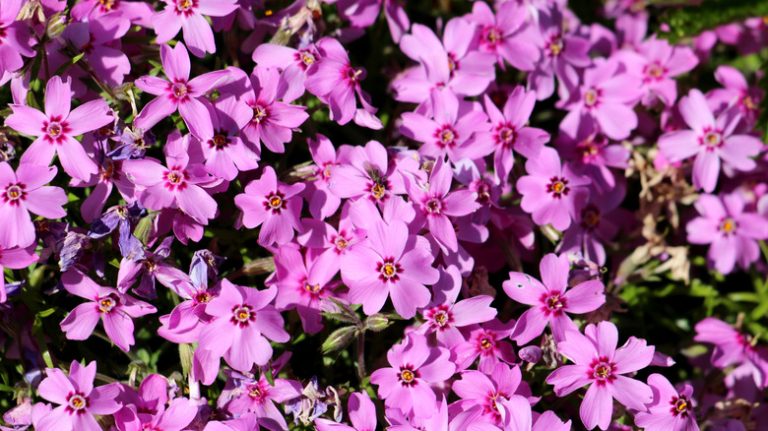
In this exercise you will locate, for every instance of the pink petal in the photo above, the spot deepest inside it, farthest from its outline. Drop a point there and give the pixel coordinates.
(17, 228)
(529, 326)
(679, 145)
(157, 109)
(119, 329)
(630, 392)
(55, 387)
(585, 297)
(167, 25)
(58, 97)
(26, 120)
(47, 202)
(175, 61)
(524, 289)
(196, 203)
(408, 295)
(89, 116)
(197, 117)
(706, 170)
(39, 153)
(695, 111)
(596, 408)
(473, 310)
(554, 271)
(198, 35)
(75, 160)
(634, 355)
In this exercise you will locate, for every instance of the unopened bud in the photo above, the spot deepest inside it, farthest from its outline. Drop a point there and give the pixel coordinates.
(530, 354)
(377, 322)
(339, 339)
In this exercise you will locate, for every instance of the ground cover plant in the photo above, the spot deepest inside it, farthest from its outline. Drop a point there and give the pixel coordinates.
(520, 215)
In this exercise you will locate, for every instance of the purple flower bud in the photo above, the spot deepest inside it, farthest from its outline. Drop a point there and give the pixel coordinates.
(530, 354)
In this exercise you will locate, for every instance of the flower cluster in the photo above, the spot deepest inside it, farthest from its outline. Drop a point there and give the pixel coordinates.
(327, 219)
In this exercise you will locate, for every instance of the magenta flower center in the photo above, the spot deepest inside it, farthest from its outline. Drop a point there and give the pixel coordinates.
(107, 304)
(306, 59)
(242, 315)
(14, 193)
(256, 392)
(76, 403)
(180, 90)
(203, 298)
(260, 113)
(655, 72)
(506, 135)
(446, 136)
(555, 46)
(175, 179)
(313, 289)
(728, 226)
(590, 217)
(352, 75)
(275, 202)
(219, 141)
(441, 316)
(589, 150)
(453, 64)
(483, 190)
(378, 189)
(185, 7)
(713, 138)
(434, 206)
(601, 370)
(487, 344)
(553, 304)
(558, 187)
(680, 406)
(748, 102)
(408, 375)
(592, 97)
(492, 36)
(341, 243)
(389, 270)
(108, 5)
(55, 130)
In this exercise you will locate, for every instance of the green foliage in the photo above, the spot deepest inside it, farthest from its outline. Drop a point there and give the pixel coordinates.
(688, 21)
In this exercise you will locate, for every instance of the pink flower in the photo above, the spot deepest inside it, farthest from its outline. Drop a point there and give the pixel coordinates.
(303, 283)
(114, 309)
(657, 64)
(476, 388)
(488, 343)
(55, 130)
(362, 415)
(518, 416)
(188, 16)
(273, 121)
(176, 417)
(670, 410)
(592, 154)
(552, 299)
(507, 34)
(367, 173)
(734, 348)
(453, 128)
(599, 364)
(451, 63)
(337, 83)
(176, 186)
(710, 139)
(731, 231)
(77, 399)
(96, 38)
(414, 367)
(606, 97)
(242, 322)
(273, 205)
(23, 192)
(179, 92)
(224, 151)
(737, 92)
(448, 318)
(509, 132)
(14, 258)
(391, 262)
(258, 396)
(551, 191)
(437, 203)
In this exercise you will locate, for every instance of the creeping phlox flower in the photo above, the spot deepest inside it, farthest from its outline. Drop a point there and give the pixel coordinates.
(601, 366)
(76, 399)
(552, 299)
(671, 409)
(56, 128)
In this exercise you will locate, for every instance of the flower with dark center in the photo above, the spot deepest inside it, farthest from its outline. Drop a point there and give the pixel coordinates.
(558, 187)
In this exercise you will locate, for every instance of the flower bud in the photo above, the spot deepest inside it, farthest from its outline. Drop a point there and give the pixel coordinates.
(530, 354)
(377, 322)
(339, 339)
